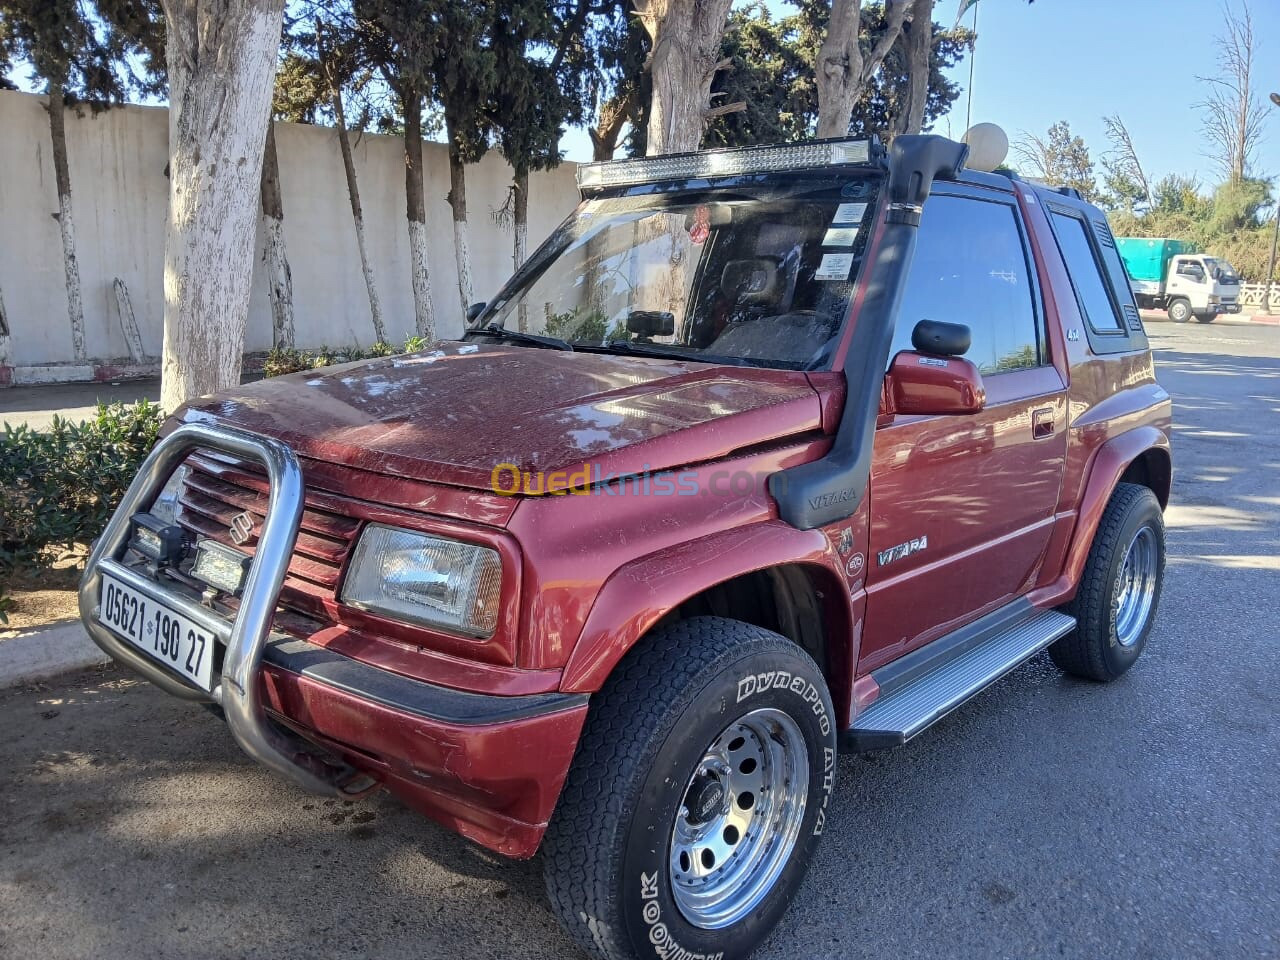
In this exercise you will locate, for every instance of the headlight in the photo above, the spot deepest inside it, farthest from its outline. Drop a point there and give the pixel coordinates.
(425, 579)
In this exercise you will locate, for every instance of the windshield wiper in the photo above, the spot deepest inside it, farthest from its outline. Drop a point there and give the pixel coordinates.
(673, 353)
(515, 336)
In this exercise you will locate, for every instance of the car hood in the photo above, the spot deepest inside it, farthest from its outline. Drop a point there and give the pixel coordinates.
(453, 414)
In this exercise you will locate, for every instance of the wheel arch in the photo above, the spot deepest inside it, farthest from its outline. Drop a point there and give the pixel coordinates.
(769, 574)
(1152, 468)
(1141, 456)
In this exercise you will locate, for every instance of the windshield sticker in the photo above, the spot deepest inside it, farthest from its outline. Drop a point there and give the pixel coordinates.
(701, 228)
(834, 266)
(840, 237)
(849, 213)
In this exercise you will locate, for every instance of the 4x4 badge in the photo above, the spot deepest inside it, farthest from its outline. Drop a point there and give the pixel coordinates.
(241, 527)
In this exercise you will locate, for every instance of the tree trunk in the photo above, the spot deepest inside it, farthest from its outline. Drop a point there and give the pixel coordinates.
(520, 217)
(461, 238)
(357, 215)
(221, 57)
(4, 339)
(842, 71)
(520, 223)
(685, 36)
(274, 258)
(416, 212)
(614, 115)
(919, 48)
(66, 224)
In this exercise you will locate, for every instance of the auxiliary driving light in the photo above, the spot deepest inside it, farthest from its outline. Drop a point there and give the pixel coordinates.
(731, 161)
(220, 566)
(160, 542)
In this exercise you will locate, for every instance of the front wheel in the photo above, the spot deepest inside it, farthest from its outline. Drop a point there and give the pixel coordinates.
(697, 796)
(1206, 317)
(1180, 311)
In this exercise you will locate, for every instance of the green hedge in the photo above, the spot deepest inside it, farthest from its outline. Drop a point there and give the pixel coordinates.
(59, 486)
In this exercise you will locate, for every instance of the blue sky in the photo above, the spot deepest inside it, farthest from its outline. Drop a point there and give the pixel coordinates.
(1080, 60)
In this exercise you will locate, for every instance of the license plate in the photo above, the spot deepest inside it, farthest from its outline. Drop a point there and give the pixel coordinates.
(163, 634)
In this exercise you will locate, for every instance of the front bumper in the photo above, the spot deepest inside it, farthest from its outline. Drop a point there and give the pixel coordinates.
(490, 767)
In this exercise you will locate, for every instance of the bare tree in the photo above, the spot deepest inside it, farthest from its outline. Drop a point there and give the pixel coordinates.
(685, 57)
(1234, 115)
(1123, 168)
(842, 69)
(221, 57)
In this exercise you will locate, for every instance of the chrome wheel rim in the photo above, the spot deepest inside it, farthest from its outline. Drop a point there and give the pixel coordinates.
(1136, 587)
(739, 818)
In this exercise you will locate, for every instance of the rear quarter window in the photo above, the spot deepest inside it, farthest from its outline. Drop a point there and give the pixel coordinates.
(1098, 279)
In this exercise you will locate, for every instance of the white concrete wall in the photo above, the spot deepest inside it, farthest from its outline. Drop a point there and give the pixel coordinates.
(119, 193)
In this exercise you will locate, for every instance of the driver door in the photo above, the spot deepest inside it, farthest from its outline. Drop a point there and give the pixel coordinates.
(962, 506)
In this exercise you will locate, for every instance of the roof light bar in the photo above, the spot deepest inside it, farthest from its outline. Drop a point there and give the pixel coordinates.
(723, 163)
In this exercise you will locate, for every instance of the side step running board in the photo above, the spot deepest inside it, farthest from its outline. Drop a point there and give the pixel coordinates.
(902, 712)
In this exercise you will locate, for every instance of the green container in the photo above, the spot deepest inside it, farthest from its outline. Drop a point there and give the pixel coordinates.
(1147, 258)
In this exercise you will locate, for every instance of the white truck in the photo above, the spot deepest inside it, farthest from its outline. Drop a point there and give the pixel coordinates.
(1170, 275)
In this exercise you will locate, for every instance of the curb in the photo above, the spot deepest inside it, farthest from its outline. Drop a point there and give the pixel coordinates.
(1224, 320)
(105, 371)
(40, 652)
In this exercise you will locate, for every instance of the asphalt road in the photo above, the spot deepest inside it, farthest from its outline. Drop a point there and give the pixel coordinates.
(1048, 818)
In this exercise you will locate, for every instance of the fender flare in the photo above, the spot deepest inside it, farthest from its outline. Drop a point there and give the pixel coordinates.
(637, 595)
(1109, 465)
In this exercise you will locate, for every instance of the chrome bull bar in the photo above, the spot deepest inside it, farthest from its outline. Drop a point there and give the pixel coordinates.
(239, 691)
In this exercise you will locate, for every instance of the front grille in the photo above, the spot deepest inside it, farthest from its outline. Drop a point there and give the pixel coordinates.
(218, 488)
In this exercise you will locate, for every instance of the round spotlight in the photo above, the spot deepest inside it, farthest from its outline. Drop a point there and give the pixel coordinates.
(988, 146)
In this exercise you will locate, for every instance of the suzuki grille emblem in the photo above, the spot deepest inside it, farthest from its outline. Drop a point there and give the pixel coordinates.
(241, 527)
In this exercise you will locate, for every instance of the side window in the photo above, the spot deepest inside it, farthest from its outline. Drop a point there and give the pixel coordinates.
(1086, 274)
(971, 267)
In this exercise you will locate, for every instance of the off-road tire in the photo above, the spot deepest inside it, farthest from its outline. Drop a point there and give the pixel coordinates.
(1180, 311)
(607, 851)
(1092, 650)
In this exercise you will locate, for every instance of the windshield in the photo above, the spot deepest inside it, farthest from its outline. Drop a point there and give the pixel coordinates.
(759, 274)
(1221, 271)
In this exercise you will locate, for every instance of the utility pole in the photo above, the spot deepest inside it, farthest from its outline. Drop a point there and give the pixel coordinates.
(1275, 239)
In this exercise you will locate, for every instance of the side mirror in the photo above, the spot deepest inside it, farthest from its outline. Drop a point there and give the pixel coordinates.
(935, 386)
(475, 310)
(651, 323)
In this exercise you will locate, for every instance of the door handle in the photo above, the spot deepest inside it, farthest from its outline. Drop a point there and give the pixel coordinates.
(1042, 423)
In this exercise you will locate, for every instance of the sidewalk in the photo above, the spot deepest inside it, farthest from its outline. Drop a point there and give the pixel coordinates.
(39, 652)
(1224, 320)
(36, 405)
